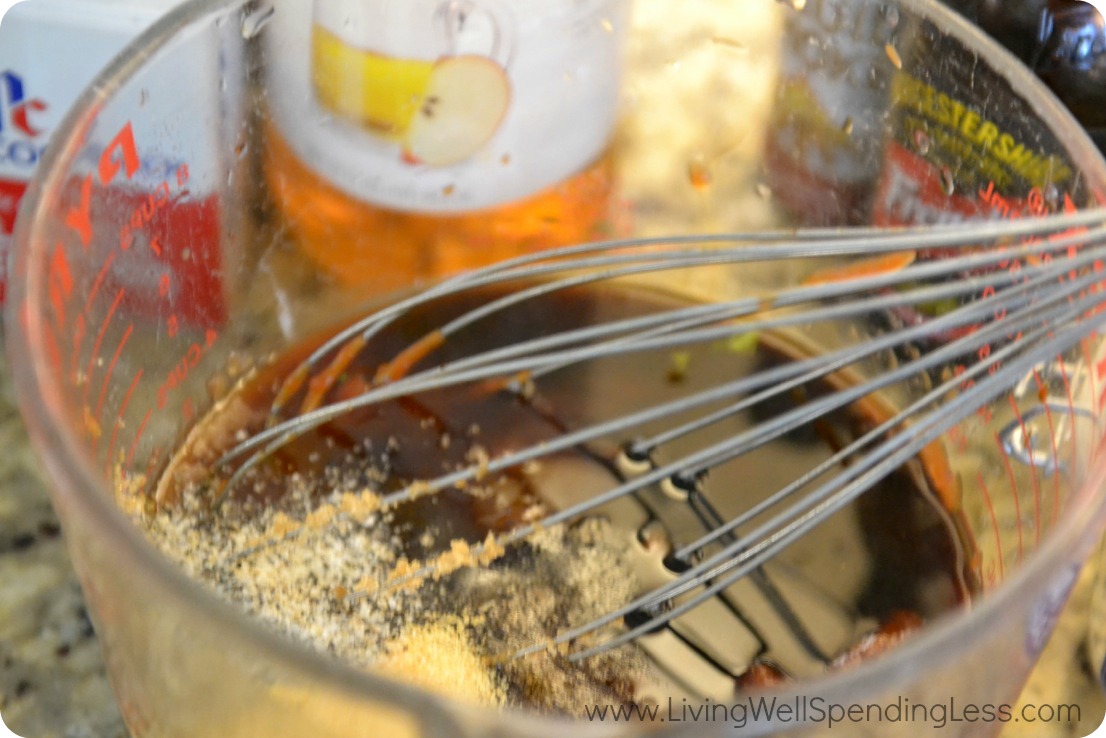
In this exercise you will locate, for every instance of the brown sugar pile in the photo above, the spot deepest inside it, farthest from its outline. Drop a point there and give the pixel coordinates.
(284, 568)
(301, 567)
(440, 657)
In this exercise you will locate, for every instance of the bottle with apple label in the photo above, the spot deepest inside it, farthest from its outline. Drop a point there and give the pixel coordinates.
(409, 139)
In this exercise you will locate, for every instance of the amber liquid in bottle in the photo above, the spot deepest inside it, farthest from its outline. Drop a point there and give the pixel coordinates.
(412, 140)
(359, 243)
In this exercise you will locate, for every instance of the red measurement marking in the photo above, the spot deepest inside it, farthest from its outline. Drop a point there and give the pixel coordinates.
(111, 370)
(1069, 207)
(99, 281)
(1014, 492)
(1043, 392)
(994, 525)
(1095, 375)
(79, 330)
(142, 215)
(137, 437)
(1072, 252)
(128, 152)
(1095, 289)
(1012, 207)
(184, 367)
(1033, 466)
(99, 342)
(1084, 346)
(79, 219)
(1071, 406)
(59, 281)
(984, 353)
(119, 418)
(78, 338)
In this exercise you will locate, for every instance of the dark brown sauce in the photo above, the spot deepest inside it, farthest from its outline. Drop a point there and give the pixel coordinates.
(915, 558)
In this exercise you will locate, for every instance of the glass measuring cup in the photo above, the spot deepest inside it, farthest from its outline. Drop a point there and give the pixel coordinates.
(151, 267)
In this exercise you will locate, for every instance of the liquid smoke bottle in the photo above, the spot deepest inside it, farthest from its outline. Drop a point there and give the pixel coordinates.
(410, 139)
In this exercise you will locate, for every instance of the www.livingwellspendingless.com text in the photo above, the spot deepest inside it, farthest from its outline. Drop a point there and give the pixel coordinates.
(811, 710)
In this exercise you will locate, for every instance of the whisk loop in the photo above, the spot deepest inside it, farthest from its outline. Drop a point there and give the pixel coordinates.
(1027, 290)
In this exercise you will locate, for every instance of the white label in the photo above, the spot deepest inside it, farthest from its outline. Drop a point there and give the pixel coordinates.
(22, 132)
(446, 105)
(49, 51)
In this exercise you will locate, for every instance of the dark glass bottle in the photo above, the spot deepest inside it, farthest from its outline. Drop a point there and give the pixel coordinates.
(1071, 59)
(1063, 41)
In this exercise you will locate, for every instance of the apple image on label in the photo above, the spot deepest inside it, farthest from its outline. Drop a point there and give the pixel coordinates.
(465, 101)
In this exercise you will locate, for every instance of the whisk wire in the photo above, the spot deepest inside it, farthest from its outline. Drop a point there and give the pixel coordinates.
(1026, 301)
(743, 443)
(801, 243)
(478, 369)
(742, 557)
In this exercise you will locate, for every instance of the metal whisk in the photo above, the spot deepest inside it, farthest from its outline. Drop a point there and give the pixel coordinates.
(1026, 291)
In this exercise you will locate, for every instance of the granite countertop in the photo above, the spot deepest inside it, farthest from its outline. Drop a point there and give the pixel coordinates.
(52, 680)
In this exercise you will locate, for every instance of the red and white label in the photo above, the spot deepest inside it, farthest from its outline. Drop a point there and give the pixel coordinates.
(912, 191)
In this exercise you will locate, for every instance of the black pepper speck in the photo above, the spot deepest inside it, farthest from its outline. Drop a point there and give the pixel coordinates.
(49, 529)
(23, 541)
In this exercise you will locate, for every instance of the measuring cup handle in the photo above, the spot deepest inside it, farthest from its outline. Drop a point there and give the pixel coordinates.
(453, 15)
